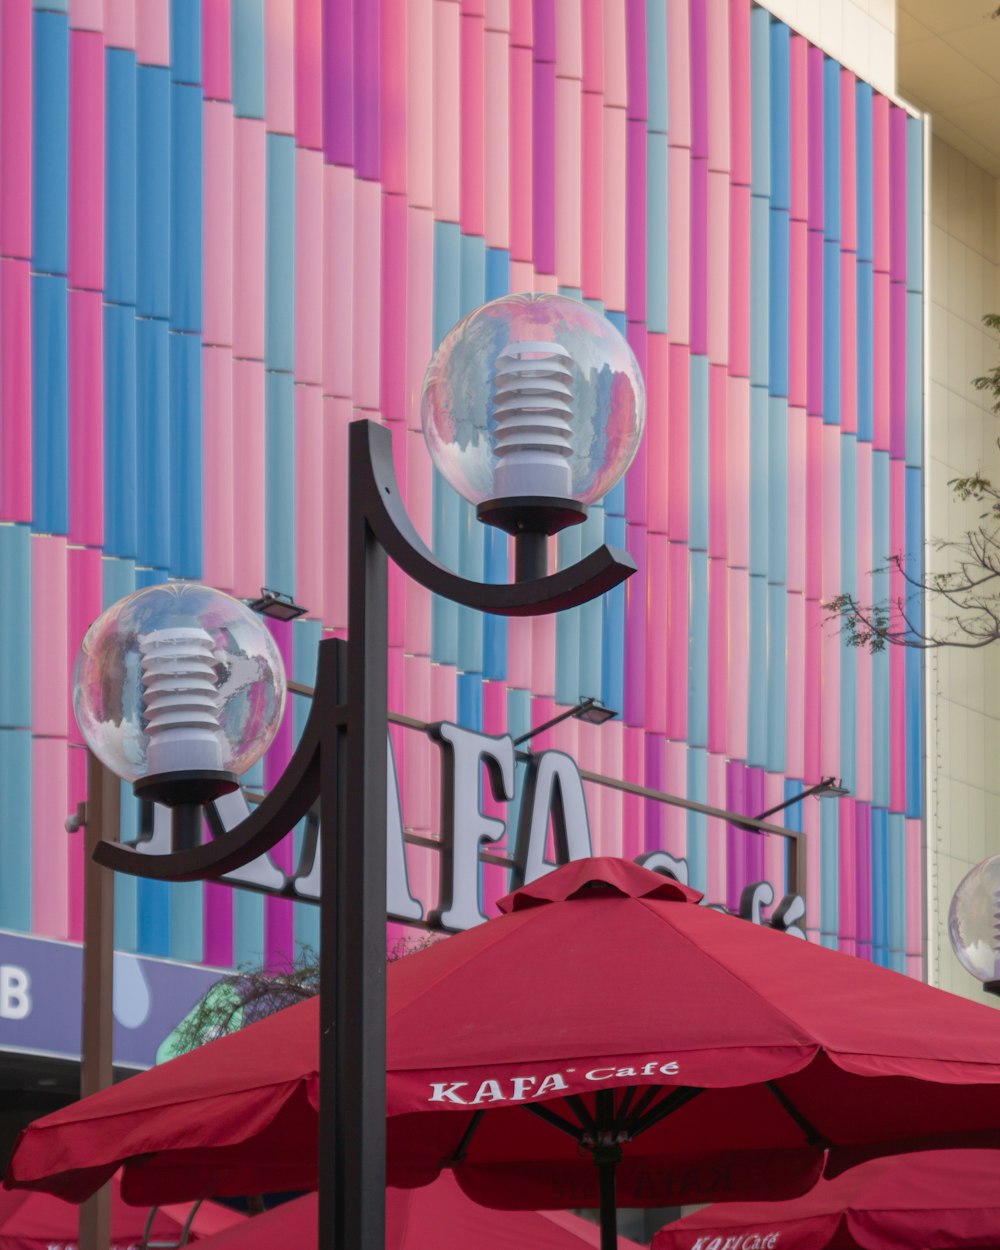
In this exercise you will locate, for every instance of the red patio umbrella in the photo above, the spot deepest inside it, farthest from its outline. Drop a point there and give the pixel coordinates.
(439, 1215)
(942, 1198)
(33, 1221)
(603, 1012)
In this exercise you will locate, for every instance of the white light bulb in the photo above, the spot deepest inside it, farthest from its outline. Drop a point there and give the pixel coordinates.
(532, 406)
(181, 703)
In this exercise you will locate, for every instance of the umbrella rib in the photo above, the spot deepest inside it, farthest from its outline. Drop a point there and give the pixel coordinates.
(462, 1149)
(673, 1102)
(813, 1136)
(557, 1121)
(649, 1096)
(623, 1107)
(582, 1113)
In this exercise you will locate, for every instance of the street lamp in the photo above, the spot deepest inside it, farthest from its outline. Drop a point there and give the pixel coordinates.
(974, 923)
(533, 406)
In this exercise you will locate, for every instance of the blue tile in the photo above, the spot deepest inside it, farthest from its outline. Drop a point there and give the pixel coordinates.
(15, 628)
(187, 485)
(279, 475)
(15, 830)
(186, 200)
(697, 726)
(185, 41)
(153, 442)
(153, 191)
(279, 327)
(248, 58)
(50, 404)
(120, 509)
(50, 142)
(760, 102)
(120, 174)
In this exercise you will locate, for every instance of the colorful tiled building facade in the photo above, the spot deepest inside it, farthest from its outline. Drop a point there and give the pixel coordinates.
(229, 227)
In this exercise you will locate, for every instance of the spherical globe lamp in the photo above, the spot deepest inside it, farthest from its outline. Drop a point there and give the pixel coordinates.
(179, 689)
(974, 922)
(533, 406)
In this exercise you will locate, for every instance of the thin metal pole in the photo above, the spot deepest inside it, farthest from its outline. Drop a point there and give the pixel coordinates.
(531, 556)
(606, 1156)
(103, 820)
(352, 953)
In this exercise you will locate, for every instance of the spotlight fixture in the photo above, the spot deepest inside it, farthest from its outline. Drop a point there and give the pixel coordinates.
(589, 709)
(274, 604)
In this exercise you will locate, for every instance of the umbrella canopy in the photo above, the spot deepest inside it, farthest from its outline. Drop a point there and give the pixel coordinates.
(944, 1198)
(601, 1012)
(439, 1215)
(32, 1221)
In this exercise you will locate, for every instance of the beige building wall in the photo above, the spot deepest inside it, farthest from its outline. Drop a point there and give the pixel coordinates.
(963, 742)
(860, 34)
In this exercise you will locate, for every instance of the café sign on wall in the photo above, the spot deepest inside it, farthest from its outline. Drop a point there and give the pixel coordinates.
(553, 810)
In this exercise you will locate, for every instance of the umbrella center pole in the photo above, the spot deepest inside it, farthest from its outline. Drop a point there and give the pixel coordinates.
(607, 1154)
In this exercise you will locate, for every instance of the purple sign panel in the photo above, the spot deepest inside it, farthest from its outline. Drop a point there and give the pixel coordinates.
(40, 999)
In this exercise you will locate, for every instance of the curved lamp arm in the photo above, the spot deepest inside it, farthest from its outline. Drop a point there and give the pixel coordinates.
(375, 492)
(371, 459)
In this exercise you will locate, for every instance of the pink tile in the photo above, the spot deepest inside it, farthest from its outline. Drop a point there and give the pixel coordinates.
(678, 473)
(615, 70)
(831, 584)
(15, 136)
(392, 96)
(569, 39)
(86, 14)
(152, 32)
(848, 162)
(677, 640)
(49, 617)
(279, 67)
(543, 655)
(739, 91)
(679, 72)
(50, 845)
(897, 655)
(657, 431)
(86, 418)
(568, 181)
(419, 305)
(338, 280)
(522, 29)
(519, 653)
(848, 343)
(799, 118)
(419, 496)
(218, 254)
(795, 576)
(367, 291)
(636, 507)
(814, 505)
(76, 793)
(592, 206)
(635, 221)
(881, 340)
(633, 807)
(718, 425)
(719, 268)
(719, 650)
(496, 139)
(336, 422)
(738, 301)
(592, 45)
(719, 80)
(675, 783)
(679, 242)
(119, 23)
(737, 472)
(615, 220)
(447, 110)
(218, 541)
(636, 629)
(813, 735)
(737, 706)
(420, 102)
(715, 832)
(521, 134)
(472, 130)
(880, 182)
(83, 603)
(393, 304)
(86, 160)
(308, 74)
(914, 894)
(607, 835)
(798, 297)
(795, 687)
(848, 870)
(308, 266)
(829, 757)
(248, 238)
(657, 660)
(814, 867)
(216, 51)
(816, 131)
(309, 493)
(15, 389)
(814, 322)
(248, 470)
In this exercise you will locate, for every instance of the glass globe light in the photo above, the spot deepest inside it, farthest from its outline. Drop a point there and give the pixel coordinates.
(974, 920)
(179, 688)
(533, 396)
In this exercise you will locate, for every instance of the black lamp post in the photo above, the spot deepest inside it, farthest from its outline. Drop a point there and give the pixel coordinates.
(341, 756)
